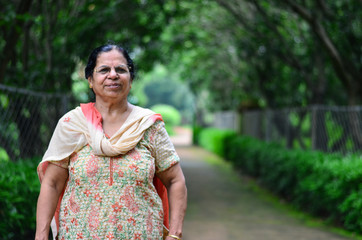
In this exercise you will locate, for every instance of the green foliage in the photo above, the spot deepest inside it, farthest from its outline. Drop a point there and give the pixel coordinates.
(3, 155)
(205, 60)
(54, 36)
(326, 185)
(334, 131)
(19, 190)
(196, 130)
(170, 116)
(213, 139)
(161, 86)
(4, 101)
(266, 50)
(352, 208)
(45, 44)
(80, 88)
(262, 50)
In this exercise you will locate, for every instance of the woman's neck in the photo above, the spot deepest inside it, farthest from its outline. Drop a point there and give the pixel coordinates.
(112, 109)
(113, 115)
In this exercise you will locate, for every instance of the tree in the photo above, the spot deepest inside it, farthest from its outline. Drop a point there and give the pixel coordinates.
(331, 25)
(163, 87)
(326, 19)
(265, 54)
(328, 26)
(42, 42)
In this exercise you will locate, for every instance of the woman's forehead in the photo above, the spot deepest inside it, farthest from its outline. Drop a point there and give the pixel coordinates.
(113, 56)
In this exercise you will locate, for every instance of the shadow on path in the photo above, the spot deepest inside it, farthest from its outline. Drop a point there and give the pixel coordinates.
(222, 205)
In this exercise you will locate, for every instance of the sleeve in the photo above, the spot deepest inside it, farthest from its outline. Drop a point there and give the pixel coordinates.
(165, 153)
(63, 163)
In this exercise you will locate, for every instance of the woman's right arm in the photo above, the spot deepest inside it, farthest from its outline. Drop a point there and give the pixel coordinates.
(52, 186)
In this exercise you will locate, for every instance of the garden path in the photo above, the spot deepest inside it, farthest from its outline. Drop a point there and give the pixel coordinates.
(223, 205)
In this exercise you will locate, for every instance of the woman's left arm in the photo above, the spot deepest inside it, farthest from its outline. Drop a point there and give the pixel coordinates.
(174, 180)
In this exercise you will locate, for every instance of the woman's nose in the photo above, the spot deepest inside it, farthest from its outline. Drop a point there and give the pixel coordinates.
(113, 73)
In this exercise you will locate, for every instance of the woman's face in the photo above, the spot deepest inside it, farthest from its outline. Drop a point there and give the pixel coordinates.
(111, 79)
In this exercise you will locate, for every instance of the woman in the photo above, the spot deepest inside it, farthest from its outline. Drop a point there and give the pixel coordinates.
(99, 173)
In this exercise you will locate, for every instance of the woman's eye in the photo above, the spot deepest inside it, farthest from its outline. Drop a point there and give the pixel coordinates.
(121, 70)
(103, 70)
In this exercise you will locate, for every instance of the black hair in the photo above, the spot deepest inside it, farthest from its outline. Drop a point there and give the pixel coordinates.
(92, 60)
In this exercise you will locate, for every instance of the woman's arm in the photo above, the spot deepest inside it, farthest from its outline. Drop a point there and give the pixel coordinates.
(174, 180)
(51, 188)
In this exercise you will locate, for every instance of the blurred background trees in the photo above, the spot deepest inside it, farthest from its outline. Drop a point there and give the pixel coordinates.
(198, 56)
(235, 52)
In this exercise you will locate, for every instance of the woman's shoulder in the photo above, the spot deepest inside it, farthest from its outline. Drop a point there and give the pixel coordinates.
(138, 109)
(71, 114)
(156, 118)
(158, 124)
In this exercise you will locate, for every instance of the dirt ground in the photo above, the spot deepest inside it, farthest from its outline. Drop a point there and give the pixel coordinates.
(223, 205)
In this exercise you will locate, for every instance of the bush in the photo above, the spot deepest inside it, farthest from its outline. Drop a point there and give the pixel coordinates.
(213, 139)
(3, 155)
(326, 185)
(19, 190)
(196, 130)
(171, 116)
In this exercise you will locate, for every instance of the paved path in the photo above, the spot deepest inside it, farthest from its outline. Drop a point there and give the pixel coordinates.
(223, 205)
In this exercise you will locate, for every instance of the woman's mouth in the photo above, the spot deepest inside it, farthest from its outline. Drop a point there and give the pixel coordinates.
(113, 85)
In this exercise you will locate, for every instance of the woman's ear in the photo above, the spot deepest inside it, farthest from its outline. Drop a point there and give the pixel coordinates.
(90, 82)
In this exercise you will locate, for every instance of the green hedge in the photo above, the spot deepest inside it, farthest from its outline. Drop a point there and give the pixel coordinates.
(326, 185)
(19, 190)
(196, 130)
(213, 139)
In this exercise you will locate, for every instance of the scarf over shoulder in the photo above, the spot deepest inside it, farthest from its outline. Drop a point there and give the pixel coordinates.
(82, 126)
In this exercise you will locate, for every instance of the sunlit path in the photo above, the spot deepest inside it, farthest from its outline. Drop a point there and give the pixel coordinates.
(222, 206)
(182, 137)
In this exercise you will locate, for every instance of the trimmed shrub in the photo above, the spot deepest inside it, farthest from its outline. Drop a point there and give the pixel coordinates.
(326, 185)
(196, 130)
(170, 115)
(19, 190)
(213, 139)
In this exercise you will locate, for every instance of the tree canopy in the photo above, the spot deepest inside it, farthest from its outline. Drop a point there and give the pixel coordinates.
(232, 53)
(42, 41)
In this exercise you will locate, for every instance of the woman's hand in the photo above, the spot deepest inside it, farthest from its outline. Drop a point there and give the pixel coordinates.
(174, 180)
(173, 238)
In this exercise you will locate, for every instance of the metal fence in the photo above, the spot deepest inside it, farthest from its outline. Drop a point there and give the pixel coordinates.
(226, 120)
(329, 129)
(28, 118)
(27, 121)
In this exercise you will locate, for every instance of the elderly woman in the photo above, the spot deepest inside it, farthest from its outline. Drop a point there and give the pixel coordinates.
(109, 163)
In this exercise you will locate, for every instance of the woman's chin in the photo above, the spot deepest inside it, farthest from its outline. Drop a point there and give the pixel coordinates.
(113, 95)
